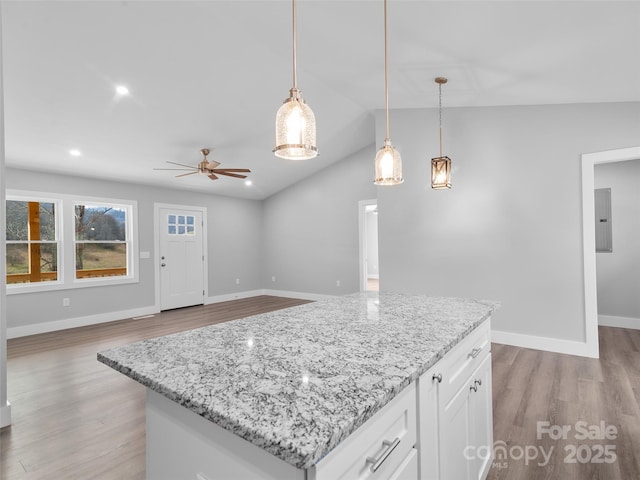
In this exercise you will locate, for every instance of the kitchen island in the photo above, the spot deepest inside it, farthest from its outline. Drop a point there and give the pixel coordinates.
(279, 395)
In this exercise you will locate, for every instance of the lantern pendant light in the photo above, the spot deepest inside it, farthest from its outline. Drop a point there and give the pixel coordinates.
(440, 166)
(295, 122)
(388, 164)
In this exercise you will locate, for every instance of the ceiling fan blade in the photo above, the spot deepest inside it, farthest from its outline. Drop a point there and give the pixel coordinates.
(183, 165)
(185, 174)
(211, 164)
(231, 170)
(213, 176)
(230, 174)
(172, 169)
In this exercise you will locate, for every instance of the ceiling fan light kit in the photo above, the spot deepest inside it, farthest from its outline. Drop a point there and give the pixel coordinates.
(295, 121)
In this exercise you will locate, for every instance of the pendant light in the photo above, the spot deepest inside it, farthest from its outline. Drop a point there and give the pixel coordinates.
(295, 122)
(440, 166)
(388, 164)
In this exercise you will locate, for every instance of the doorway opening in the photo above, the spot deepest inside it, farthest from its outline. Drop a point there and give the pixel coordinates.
(589, 161)
(369, 267)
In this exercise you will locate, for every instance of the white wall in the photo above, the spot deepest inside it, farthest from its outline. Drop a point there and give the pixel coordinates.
(618, 272)
(371, 226)
(510, 228)
(311, 229)
(234, 248)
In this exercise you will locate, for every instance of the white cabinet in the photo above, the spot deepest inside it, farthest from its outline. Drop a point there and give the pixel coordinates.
(455, 412)
(382, 449)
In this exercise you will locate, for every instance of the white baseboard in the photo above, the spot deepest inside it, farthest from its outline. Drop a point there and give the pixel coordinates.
(233, 296)
(44, 327)
(568, 347)
(5, 415)
(299, 295)
(620, 322)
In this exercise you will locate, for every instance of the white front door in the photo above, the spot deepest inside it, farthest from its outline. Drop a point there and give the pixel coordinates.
(181, 258)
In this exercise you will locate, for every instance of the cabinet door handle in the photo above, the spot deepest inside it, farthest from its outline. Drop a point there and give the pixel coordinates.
(437, 377)
(377, 462)
(475, 352)
(478, 382)
(474, 388)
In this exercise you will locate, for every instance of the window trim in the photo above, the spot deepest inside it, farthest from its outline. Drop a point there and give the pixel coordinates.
(65, 230)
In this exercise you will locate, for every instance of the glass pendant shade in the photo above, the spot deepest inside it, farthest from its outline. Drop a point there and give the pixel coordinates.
(440, 173)
(295, 129)
(388, 166)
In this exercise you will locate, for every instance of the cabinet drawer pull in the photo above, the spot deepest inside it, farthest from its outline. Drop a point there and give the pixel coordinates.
(437, 377)
(475, 352)
(377, 462)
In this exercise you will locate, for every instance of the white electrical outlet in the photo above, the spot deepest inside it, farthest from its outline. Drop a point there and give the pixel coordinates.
(66, 302)
(237, 281)
(273, 279)
(337, 283)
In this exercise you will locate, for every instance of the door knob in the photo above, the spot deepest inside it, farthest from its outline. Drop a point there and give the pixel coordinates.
(163, 264)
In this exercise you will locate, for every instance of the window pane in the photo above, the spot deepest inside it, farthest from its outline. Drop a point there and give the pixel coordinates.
(100, 222)
(190, 220)
(47, 221)
(180, 229)
(44, 270)
(181, 219)
(17, 220)
(171, 219)
(191, 230)
(101, 260)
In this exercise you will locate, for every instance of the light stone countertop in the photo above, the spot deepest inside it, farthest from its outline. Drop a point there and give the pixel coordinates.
(298, 381)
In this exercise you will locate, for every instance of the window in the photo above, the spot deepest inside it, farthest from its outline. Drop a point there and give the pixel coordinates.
(32, 246)
(181, 224)
(59, 242)
(100, 240)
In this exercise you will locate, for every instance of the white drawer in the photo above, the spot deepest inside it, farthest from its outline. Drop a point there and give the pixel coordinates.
(388, 437)
(460, 362)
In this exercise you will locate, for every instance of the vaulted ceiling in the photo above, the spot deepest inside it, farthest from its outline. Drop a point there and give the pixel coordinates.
(213, 73)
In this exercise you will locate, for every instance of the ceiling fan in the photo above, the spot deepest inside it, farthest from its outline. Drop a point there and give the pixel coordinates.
(208, 168)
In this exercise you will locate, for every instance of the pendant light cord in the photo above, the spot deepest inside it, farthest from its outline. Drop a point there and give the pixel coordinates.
(440, 116)
(386, 70)
(295, 67)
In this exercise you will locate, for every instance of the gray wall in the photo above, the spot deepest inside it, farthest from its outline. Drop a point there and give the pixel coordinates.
(510, 229)
(234, 241)
(311, 228)
(618, 272)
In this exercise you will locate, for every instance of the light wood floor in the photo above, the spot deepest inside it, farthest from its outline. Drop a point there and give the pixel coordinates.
(530, 386)
(74, 418)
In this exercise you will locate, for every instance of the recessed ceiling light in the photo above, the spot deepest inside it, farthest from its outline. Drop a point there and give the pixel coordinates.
(122, 90)
(74, 152)
(248, 183)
